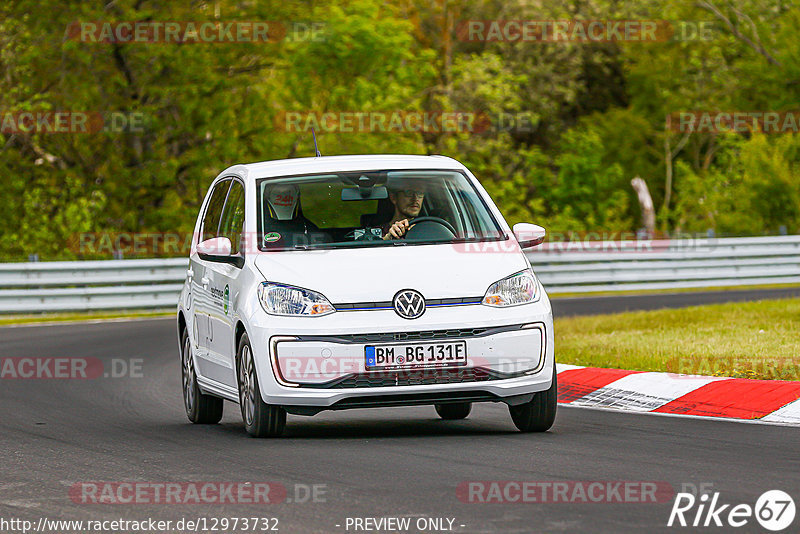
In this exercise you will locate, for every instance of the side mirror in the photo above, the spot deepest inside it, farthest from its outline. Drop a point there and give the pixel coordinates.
(218, 250)
(529, 235)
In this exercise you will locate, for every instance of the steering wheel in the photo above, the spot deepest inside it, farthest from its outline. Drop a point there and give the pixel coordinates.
(437, 220)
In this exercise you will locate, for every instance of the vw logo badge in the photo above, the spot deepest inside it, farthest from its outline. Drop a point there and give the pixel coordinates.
(409, 304)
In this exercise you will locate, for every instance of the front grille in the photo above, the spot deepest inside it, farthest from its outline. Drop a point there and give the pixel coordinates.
(413, 336)
(358, 306)
(387, 305)
(410, 377)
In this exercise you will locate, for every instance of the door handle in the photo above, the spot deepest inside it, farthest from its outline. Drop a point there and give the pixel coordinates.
(189, 275)
(205, 281)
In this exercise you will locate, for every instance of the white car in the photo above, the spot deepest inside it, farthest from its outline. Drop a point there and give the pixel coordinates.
(342, 282)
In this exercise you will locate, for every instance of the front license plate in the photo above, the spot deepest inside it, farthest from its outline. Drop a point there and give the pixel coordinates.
(416, 355)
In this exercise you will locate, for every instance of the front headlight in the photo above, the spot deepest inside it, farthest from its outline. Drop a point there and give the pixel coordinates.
(520, 288)
(278, 299)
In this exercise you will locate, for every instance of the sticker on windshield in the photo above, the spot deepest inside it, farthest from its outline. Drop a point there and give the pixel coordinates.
(271, 237)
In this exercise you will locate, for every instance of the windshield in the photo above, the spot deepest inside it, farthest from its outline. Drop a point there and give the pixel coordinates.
(371, 208)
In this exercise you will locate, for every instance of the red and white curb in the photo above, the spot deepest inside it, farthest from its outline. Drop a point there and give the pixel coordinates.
(773, 401)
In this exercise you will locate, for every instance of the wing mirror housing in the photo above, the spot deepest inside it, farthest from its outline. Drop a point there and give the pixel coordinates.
(218, 250)
(529, 235)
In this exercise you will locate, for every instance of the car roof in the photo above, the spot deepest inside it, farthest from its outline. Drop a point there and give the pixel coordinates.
(323, 164)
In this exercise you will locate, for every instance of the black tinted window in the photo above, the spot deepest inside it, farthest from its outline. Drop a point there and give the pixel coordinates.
(214, 210)
(233, 217)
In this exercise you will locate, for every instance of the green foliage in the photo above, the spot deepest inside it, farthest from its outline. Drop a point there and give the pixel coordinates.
(588, 195)
(517, 179)
(571, 123)
(753, 188)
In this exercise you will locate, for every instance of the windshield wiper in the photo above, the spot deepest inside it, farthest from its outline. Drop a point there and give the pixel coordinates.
(436, 242)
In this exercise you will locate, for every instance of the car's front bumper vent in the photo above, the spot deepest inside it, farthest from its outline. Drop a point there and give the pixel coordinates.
(410, 377)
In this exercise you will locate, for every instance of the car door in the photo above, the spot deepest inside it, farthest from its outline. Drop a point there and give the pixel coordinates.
(201, 273)
(224, 286)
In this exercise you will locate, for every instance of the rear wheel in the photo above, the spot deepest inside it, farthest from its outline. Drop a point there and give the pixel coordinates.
(539, 414)
(200, 408)
(261, 420)
(458, 410)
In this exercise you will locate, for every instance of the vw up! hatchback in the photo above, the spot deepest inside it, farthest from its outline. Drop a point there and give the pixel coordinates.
(342, 282)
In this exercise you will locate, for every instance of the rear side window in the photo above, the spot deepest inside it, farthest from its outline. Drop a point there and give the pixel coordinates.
(232, 221)
(214, 210)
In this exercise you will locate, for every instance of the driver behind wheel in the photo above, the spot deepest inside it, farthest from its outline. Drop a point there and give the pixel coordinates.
(407, 199)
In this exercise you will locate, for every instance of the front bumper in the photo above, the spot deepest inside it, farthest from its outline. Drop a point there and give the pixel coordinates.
(305, 368)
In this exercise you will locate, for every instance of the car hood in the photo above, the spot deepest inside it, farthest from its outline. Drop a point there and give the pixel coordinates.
(376, 274)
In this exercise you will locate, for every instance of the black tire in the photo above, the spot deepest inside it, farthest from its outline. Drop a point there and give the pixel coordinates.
(201, 409)
(455, 411)
(261, 420)
(539, 414)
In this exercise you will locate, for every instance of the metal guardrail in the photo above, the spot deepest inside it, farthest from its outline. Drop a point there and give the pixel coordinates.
(575, 267)
(667, 264)
(91, 285)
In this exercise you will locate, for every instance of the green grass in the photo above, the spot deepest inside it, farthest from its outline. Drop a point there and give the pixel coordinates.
(79, 316)
(743, 339)
(665, 291)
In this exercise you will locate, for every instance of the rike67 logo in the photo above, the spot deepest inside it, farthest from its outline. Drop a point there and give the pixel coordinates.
(774, 510)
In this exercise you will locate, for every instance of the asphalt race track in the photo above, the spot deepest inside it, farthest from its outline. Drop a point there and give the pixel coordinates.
(398, 462)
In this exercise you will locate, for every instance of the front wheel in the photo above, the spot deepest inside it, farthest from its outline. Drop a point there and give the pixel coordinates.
(539, 414)
(261, 420)
(200, 408)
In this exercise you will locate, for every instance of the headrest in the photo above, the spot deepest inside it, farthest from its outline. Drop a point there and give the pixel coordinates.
(283, 199)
